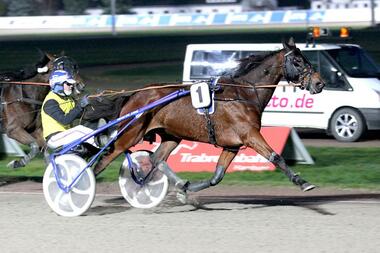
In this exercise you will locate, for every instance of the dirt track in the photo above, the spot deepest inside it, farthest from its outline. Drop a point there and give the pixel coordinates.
(221, 219)
(226, 219)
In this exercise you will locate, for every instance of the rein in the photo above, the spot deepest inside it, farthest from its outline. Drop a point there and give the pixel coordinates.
(167, 85)
(26, 83)
(187, 84)
(22, 99)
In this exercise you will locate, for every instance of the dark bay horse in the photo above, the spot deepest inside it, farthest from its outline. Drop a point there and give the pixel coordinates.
(21, 104)
(237, 118)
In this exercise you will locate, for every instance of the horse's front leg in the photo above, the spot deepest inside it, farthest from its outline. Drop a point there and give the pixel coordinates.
(256, 141)
(23, 137)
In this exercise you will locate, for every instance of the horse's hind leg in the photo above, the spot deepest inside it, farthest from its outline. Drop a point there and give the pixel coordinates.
(183, 186)
(167, 145)
(130, 138)
(258, 143)
(37, 134)
(24, 137)
(224, 161)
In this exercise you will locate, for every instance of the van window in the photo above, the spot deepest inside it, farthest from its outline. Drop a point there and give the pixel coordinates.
(206, 64)
(355, 61)
(330, 74)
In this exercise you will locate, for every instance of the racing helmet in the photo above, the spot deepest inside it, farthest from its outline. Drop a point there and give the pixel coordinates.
(57, 79)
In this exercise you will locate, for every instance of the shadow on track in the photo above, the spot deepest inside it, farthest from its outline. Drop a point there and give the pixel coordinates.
(8, 180)
(108, 209)
(206, 203)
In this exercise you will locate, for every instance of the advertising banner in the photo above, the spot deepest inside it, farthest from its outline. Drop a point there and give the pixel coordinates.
(253, 18)
(196, 157)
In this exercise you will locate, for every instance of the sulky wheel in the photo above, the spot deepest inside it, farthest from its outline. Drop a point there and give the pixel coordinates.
(79, 199)
(138, 192)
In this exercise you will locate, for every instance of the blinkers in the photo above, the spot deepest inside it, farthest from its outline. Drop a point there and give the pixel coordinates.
(297, 69)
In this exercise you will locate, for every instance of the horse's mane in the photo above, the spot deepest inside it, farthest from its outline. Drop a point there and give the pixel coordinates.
(24, 73)
(250, 62)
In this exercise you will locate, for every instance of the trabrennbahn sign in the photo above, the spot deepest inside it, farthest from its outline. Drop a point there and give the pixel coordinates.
(195, 157)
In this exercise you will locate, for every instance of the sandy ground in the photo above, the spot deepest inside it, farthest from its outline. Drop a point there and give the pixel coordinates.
(224, 219)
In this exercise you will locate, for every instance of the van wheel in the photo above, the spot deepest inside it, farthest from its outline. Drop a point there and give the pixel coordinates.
(347, 125)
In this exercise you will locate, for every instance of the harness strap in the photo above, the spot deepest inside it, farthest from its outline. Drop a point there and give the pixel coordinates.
(29, 101)
(210, 128)
(1, 102)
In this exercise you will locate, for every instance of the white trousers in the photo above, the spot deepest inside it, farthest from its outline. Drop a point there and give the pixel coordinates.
(70, 135)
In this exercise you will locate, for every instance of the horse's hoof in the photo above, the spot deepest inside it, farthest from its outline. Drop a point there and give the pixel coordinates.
(182, 197)
(14, 164)
(307, 187)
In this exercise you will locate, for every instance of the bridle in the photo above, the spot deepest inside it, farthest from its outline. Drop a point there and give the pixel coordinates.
(297, 74)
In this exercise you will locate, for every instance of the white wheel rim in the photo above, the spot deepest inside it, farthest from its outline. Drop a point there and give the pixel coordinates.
(146, 196)
(79, 199)
(346, 125)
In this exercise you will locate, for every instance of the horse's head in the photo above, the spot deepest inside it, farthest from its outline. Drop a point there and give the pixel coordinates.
(51, 62)
(298, 69)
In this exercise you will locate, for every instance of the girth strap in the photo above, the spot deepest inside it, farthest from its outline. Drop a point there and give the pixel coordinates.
(210, 127)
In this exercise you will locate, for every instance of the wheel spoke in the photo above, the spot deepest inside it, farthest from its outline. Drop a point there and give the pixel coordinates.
(160, 181)
(72, 204)
(340, 121)
(352, 128)
(352, 122)
(347, 132)
(350, 132)
(147, 192)
(65, 168)
(81, 192)
(346, 118)
(134, 199)
(62, 181)
(58, 197)
(152, 198)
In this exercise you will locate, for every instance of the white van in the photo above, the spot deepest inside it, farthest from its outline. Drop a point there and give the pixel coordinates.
(347, 107)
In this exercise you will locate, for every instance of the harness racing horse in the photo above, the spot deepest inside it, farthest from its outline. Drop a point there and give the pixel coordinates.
(236, 121)
(21, 119)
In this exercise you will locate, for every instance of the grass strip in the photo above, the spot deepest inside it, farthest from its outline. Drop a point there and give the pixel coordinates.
(337, 167)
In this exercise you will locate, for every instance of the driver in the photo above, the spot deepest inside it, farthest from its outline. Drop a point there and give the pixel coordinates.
(59, 110)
